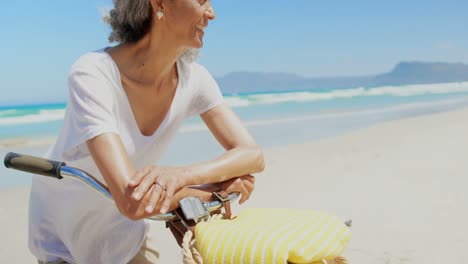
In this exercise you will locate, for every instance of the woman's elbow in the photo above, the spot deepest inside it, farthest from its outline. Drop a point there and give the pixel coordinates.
(131, 215)
(128, 209)
(259, 159)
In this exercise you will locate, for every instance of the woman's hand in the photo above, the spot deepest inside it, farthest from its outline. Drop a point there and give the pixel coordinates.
(243, 184)
(161, 182)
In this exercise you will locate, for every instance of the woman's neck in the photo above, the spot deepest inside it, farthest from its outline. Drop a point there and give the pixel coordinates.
(149, 62)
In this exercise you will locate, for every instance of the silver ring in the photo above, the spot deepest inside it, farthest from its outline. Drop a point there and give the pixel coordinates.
(162, 186)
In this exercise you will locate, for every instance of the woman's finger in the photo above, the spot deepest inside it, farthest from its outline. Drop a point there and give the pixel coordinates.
(249, 177)
(244, 192)
(233, 185)
(168, 194)
(250, 186)
(136, 178)
(145, 184)
(155, 194)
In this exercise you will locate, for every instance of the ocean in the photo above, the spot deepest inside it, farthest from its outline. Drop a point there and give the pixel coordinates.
(256, 109)
(274, 119)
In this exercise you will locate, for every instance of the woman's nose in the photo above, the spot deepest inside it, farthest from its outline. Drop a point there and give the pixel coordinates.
(210, 13)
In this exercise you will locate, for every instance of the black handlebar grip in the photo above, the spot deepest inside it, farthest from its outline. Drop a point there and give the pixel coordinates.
(34, 165)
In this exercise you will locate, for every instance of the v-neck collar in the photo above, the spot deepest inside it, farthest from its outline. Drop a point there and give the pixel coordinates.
(169, 113)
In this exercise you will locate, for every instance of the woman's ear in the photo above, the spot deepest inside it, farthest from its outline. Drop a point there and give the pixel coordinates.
(155, 4)
(157, 8)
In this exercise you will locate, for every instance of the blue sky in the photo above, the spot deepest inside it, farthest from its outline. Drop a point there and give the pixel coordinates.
(41, 39)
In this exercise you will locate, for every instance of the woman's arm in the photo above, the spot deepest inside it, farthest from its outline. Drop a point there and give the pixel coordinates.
(112, 160)
(243, 157)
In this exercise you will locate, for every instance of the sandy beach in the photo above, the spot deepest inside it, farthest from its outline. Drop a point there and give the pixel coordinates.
(403, 184)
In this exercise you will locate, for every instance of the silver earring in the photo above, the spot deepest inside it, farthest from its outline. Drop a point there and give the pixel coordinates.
(159, 13)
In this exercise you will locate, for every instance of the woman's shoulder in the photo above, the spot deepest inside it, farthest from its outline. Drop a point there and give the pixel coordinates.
(92, 61)
(193, 70)
(94, 71)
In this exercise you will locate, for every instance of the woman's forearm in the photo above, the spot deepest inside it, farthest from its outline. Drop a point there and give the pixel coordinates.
(204, 192)
(111, 159)
(233, 163)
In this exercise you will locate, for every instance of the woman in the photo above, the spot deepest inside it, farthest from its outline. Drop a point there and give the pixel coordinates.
(125, 103)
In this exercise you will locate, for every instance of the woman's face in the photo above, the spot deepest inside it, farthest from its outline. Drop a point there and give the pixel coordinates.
(187, 20)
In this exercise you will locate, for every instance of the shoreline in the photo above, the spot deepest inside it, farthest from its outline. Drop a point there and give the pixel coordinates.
(402, 182)
(405, 111)
(26, 142)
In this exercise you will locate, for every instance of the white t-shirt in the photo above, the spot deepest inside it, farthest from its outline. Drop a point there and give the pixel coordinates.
(68, 220)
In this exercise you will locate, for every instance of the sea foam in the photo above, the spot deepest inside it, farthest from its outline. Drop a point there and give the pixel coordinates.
(310, 96)
(44, 114)
(39, 117)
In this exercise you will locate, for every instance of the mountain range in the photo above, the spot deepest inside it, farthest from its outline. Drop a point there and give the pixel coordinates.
(404, 73)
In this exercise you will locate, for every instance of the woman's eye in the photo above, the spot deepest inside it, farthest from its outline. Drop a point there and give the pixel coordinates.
(201, 2)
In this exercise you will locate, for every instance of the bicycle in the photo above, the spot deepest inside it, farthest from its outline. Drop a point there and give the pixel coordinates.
(191, 210)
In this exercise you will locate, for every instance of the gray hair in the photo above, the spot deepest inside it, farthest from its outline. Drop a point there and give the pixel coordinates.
(130, 21)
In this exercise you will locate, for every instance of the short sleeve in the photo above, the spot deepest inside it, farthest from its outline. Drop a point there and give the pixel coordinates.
(90, 110)
(207, 94)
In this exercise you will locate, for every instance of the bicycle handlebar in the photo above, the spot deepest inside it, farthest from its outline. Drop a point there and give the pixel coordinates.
(34, 165)
(59, 170)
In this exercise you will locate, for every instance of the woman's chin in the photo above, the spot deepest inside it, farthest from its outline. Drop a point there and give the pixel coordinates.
(198, 43)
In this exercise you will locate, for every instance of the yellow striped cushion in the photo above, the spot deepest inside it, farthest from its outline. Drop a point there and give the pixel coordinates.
(272, 236)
